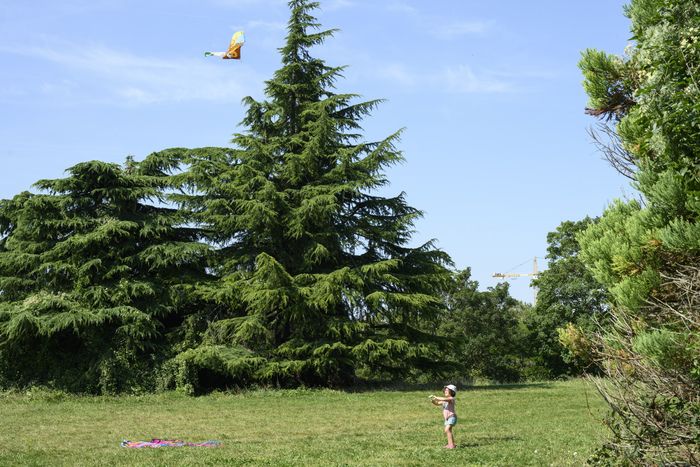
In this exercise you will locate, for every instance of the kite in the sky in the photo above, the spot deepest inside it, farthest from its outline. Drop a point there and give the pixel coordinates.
(234, 48)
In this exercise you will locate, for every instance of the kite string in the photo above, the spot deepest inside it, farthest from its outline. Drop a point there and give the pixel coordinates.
(515, 267)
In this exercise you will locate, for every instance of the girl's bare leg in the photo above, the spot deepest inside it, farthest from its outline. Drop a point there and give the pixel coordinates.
(450, 437)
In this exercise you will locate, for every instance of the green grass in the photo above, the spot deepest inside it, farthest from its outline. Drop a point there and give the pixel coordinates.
(536, 424)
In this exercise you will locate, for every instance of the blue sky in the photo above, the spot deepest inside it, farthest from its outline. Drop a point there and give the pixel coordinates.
(489, 94)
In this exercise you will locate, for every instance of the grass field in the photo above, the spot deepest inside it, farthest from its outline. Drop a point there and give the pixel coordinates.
(536, 424)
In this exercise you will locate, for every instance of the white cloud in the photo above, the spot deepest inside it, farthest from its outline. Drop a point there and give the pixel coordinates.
(267, 25)
(245, 3)
(396, 73)
(461, 79)
(105, 74)
(461, 28)
(325, 4)
(400, 6)
(133, 94)
(337, 4)
(64, 7)
(62, 88)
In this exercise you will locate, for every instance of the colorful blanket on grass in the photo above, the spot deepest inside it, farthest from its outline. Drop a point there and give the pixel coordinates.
(168, 443)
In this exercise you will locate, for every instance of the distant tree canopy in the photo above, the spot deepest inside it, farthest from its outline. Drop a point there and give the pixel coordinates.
(485, 329)
(647, 253)
(567, 295)
(273, 262)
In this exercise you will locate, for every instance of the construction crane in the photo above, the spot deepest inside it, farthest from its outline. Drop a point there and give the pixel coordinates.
(535, 272)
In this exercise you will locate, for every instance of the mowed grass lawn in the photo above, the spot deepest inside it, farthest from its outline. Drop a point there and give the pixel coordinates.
(531, 424)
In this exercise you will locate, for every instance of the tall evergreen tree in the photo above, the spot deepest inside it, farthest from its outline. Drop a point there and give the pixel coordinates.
(647, 253)
(93, 278)
(317, 281)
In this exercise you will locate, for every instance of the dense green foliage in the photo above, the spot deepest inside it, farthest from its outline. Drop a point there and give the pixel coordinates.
(567, 295)
(93, 278)
(647, 253)
(485, 329)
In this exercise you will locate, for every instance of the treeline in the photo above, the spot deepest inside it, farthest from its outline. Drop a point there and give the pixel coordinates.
(106, 289)
(495, 337)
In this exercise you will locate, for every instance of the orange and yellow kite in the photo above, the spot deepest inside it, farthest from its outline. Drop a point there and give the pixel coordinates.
(234, 48)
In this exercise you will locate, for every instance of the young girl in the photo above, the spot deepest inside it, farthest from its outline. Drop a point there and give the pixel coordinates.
(448, 412)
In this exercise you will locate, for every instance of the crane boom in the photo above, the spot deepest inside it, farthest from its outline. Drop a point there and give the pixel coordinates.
(498, 274)
(535, 272)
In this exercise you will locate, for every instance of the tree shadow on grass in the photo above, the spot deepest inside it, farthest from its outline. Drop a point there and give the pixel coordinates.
(412, 387)
(477, 441)
(509, 387)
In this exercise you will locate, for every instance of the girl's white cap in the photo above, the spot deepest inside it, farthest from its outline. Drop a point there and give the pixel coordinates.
(452, 387)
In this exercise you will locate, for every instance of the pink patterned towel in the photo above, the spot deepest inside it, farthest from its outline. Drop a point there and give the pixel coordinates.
(168, 443)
